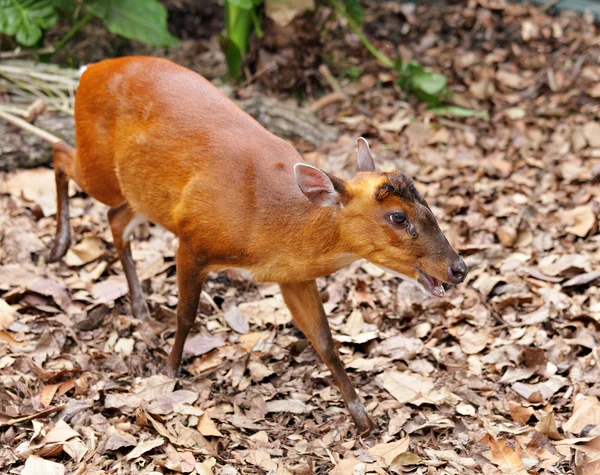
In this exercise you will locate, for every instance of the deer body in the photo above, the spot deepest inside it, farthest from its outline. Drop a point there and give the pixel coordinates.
(158, 142)
(205, 170)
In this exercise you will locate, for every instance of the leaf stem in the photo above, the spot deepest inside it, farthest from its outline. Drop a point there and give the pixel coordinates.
(256, 21)
(76, 27)
(358, 32)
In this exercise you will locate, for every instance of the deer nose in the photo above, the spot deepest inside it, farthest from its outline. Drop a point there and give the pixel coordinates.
(457, 272)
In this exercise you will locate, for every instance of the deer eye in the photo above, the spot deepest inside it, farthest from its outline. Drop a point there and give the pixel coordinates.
(399, 217)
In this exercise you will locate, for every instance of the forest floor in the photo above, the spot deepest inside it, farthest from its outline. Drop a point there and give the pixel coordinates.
(500, 376)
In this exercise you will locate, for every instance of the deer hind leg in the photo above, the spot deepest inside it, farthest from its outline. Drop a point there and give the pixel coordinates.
(64, 166)
(304, 301)
(122, 220)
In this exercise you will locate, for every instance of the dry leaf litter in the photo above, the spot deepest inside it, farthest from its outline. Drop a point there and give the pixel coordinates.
(501, 376)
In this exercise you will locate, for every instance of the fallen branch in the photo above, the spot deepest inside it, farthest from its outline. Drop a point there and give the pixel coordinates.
(29, 127)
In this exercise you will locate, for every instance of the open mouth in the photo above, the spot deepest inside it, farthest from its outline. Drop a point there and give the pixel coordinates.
(430, 284)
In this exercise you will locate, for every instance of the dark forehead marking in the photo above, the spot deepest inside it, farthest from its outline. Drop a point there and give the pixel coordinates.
(398, 184)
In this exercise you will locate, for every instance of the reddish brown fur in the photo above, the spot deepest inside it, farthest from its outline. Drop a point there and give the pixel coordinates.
(188, 168)
(157, 140)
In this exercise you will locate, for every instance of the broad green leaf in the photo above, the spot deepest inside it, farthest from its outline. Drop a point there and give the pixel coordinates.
(428, 86)
(245, 4)
(141, 20)
(234, 60)
(428, 82)
(239, 25)
(25, 19)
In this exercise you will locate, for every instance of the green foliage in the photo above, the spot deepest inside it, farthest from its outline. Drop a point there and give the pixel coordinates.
(354, 72)
(245, 4)
(428, 86)
(240, 18)
(141, 20)
(71, 6)
(146, 21)
(457, 111)
(25, 19)
(354, 9)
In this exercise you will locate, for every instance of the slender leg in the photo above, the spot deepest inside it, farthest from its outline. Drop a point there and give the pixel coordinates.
(63, 167)
(119, 217)
(305, 304)
(190, 278)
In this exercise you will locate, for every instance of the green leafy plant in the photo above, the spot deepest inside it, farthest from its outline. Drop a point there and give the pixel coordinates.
(428, 86)
(141, 20)
(26, 19)
(354, 10)
(241, 18)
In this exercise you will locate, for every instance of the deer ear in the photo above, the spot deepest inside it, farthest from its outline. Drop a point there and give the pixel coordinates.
(319, 187)
(365, 161)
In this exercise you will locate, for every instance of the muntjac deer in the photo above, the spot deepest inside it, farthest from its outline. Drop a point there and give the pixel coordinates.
(158, 142)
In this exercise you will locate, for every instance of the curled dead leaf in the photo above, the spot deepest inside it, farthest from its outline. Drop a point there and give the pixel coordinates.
(199, 344)
(7, 315)
(236, 321)
(586, 412)
(581, 220)
(269, 311)
(145, 446)
(84, 252)
(207, 427)
(116, 439)
(540, 392)
(35, 185)
(582, 279)
(472, 340)
(591, 132)
(61, 432)
(172, 402)
(385, 453)
(547, 426)
(287, 405)
(408, 387)
(504, 456)
(283, 12)
(35, 465)
(519, 413)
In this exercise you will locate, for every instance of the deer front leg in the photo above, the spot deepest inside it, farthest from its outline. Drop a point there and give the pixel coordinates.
(190, 278)
(305, 304)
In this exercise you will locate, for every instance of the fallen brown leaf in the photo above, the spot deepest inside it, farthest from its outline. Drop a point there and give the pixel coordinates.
(207, 427)
(412, 388)
(385, 454)
(582, 220)
(35, 465)
(60, 433)
(199, 345)
(540, 392)
(7, 315)
(116, 439)
(504, 456)
(586, 412)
